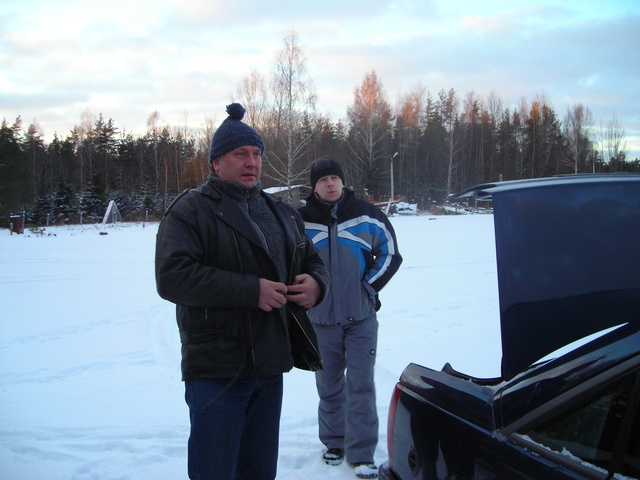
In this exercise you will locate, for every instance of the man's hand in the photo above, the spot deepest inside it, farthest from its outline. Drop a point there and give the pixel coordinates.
(272, 295)
(305, 291)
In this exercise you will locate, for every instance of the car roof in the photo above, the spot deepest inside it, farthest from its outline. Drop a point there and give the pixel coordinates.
(568, 255)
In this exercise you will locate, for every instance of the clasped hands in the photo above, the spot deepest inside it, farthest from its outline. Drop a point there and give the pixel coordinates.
(305, 292)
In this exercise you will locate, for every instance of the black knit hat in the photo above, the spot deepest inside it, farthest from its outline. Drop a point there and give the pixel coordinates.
(324, 167)
(233, 133)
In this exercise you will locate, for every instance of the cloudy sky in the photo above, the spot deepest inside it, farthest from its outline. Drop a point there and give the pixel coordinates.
(125, 59)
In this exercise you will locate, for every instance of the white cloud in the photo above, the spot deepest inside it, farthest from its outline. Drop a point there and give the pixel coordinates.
(60, 59)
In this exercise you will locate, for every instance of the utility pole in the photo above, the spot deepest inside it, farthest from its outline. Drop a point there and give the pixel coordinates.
(392, 194)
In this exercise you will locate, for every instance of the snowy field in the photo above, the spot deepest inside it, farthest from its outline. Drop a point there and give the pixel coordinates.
(89, 354)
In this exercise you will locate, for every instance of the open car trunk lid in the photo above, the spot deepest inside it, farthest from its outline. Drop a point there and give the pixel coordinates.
(568, 255)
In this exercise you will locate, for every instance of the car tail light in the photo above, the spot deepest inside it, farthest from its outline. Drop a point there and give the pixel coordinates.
(391, 419)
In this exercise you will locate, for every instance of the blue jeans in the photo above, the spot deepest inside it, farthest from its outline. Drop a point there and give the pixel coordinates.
(234, 436)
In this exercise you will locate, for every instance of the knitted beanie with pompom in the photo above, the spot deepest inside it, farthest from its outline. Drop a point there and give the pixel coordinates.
(233, 133)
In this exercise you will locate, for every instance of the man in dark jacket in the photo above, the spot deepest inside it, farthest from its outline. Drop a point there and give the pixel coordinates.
(358, 244)
(241, 271)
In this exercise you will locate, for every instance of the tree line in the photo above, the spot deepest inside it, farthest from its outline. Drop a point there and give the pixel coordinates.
(430, 144)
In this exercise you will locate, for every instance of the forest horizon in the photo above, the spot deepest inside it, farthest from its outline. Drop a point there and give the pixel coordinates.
(433, 144)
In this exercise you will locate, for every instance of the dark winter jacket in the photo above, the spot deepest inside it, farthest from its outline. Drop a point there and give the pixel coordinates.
(209, 259)
(358, 244)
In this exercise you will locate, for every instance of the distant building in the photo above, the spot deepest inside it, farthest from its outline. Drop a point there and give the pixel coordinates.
(295, 197)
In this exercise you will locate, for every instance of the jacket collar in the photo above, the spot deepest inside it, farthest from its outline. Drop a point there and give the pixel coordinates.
(229, 211)
(327, 207)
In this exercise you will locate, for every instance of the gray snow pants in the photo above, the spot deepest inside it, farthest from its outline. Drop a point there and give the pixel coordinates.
(347, 414)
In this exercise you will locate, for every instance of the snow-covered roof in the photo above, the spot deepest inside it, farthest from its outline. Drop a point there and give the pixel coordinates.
(274, 190)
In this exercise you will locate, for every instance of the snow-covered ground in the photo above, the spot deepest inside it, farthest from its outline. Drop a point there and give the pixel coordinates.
(89, 354)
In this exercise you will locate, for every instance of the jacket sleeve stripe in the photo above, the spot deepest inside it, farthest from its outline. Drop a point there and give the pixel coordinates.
(316, 232)
(375, 237)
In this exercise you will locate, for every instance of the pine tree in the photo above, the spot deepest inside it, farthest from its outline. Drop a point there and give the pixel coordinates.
(42, 210)
(92, 201)
(14, 174)
(64, 203)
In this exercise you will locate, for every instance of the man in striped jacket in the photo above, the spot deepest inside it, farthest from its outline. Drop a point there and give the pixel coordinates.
(358, 244)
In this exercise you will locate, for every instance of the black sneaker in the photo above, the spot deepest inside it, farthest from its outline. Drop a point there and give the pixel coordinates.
(333, 456)
(365, 470)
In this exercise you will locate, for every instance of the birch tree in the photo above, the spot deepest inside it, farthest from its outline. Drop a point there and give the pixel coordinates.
(294, 101)
(369, 134)
(449, 105)
(252, 94)
(612, 143)
(578, 121)
(409, 126)
(153, 135)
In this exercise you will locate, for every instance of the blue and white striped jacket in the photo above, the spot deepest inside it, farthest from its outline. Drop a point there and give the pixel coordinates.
(358, 244)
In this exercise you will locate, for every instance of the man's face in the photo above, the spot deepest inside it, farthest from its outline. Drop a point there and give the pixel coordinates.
(329, 188)
(241, 165)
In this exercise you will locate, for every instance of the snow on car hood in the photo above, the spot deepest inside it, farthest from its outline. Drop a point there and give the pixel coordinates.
(568, 255)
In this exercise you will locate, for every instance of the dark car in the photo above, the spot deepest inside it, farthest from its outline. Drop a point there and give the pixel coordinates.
(568, 258)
